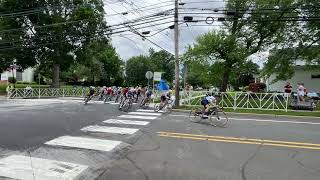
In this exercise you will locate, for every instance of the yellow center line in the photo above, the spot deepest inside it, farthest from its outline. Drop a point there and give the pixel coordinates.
(241, 142)
(241, 139)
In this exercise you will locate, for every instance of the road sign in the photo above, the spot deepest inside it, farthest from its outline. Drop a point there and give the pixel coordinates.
(157, 76)
(149, 74)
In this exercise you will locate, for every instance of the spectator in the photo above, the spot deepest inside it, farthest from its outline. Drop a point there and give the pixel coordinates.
(301, 91)
(288, 88)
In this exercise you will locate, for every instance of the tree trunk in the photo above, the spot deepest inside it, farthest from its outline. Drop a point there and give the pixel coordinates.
(56, 78)
(225, 81)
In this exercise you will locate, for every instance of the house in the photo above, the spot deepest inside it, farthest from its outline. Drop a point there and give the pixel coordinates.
(26, 76)
(310, 78)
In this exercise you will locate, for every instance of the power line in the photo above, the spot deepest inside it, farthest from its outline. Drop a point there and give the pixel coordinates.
(71, 5)
(134, 30)
(159, 30)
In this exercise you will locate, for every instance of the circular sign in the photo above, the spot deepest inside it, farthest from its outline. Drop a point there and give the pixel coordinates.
(149, 75)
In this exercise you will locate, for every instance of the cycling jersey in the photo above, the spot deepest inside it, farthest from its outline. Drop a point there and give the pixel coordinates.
(109, 91)
(91, 92)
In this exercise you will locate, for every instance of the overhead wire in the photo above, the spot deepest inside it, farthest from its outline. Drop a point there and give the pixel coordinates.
(160, 31)
(134, 30)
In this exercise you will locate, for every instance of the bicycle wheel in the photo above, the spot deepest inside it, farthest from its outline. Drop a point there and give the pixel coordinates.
(87, 99)
(195, 115)
(219, 118)
(126, 107)
(157, 107)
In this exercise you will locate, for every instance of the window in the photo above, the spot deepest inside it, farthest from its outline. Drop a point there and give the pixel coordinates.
(315, 76)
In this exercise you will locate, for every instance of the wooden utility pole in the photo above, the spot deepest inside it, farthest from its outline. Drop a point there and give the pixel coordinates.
(176, 54)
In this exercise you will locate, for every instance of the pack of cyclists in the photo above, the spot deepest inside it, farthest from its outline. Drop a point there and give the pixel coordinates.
(137, 94)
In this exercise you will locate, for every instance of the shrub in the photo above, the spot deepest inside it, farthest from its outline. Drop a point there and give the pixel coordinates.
(12, 80)
(257, 87)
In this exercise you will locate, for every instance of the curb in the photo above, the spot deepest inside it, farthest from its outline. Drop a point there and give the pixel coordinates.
(275, 115)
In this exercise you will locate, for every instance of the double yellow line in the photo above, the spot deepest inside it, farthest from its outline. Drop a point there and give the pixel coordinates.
(288, 144)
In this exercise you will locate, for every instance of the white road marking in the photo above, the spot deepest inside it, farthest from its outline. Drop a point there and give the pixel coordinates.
(84, 143)
(147, 110)
(178, 115)
(145, 113)
(105, 129)
(261, 120)
(137, 117)
(114, 103)
(118, 121)
(30, 168)
(275, 121)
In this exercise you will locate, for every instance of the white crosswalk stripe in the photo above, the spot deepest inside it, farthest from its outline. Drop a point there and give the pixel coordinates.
(106, 129)
(30, 168)
(137, 117)
(148, 110)
(84, 143)
(129, 122)
(145, 113)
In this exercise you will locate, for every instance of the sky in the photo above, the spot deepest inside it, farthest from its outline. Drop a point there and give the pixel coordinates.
(128, 44)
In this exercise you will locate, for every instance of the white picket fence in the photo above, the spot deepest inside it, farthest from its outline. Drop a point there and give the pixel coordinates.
(240, 100)
(47, 93)
(234, 100)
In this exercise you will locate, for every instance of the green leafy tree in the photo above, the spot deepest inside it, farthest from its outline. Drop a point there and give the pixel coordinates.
(97, 61)
(163, 61)
(53, 34)
(253, 26)
(136, 68)
(300, 44)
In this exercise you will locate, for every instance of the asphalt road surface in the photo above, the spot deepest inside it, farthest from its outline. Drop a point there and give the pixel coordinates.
(64, 139)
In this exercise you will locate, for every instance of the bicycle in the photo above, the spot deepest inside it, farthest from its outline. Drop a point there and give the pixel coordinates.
(126, 104)
(166, 107)
(216, 116)
(108, 97)
(87, 99)
(145, 102)
(117, 97)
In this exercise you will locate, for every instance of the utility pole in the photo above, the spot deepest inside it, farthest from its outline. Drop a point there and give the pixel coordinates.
(176, 54)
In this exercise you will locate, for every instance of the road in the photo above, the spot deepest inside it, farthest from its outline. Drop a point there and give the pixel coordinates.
(62, 138)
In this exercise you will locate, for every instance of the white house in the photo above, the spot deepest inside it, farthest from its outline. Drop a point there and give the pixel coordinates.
(310, 78)
(27, 75)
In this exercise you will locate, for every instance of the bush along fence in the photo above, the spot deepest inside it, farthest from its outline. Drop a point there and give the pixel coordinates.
(241, 100)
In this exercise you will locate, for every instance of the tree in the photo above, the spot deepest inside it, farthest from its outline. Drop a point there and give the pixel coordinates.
(136, 67)
(163, 61)
(301, 44)
(53, 34)
(97, 61)
(160, 61)
(253, 27)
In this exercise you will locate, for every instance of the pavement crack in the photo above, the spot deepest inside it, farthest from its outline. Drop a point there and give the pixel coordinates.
(146, 177)
(294, 157)
(245, 164)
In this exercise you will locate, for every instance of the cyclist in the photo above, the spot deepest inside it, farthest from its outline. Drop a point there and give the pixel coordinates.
(91, 91)
(165, 98)
(147, 98)
(208, 102)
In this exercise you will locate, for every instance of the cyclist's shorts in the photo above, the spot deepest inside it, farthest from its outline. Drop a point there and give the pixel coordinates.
(149, 94)
(204, 102)
(163, 98)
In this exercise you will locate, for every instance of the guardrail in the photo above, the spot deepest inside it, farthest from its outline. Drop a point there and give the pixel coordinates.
(241, 100)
